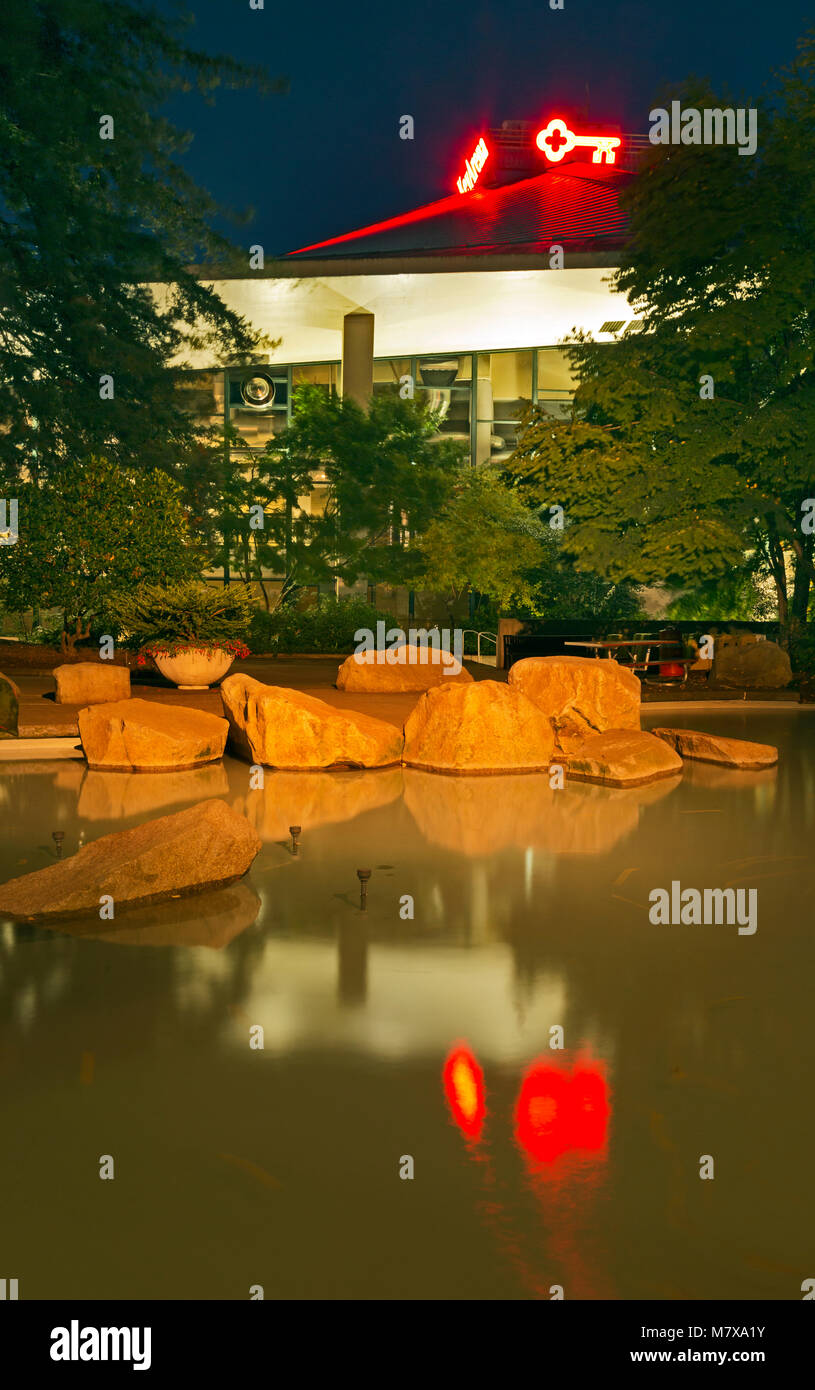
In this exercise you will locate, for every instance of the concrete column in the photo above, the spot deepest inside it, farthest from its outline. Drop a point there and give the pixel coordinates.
(507, 627)
(358, 357)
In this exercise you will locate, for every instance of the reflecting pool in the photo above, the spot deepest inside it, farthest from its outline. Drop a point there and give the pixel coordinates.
(502, 916)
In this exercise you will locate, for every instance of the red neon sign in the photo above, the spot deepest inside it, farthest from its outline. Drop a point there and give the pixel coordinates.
(556, 140)
(473, 167)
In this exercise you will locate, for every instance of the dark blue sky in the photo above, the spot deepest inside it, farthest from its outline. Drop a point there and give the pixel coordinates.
(327, 157)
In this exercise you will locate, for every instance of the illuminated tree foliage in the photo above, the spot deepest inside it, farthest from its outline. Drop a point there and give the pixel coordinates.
(659, 483)
(486, 541)
(381, 476)
(89, 532)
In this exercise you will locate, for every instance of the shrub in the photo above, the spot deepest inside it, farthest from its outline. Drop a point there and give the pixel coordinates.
(169, 618)
(91, 531)
(327, 627)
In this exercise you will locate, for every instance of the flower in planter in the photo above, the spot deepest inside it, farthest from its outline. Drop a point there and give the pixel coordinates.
(238, 650)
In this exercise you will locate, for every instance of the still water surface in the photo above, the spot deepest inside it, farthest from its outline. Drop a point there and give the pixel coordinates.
(386, 1037)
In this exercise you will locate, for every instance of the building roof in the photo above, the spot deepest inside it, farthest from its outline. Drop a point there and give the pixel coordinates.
(574, 205)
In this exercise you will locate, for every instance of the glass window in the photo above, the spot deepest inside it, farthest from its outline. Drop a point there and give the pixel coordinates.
(325, 374)
(504, 395)
(388, 372)
(556, 384)
(445, 383)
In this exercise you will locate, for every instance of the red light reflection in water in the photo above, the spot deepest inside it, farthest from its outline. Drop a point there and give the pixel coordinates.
(561, 1127)
(556, 1112)
(464, 1088)
(561, 1124)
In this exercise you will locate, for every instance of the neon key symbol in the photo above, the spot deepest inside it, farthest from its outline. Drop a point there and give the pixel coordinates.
(556, 140)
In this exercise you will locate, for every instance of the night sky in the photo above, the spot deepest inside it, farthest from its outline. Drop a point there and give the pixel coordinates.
(327, 157)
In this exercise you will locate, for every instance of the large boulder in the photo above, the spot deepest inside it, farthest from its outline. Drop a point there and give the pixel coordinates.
(745, 663)
(204, 846)
(9, 708)
(713, 748)
(145, 736)
(623, 758)
(478, 728)
(398, 669)
(289, 730)
(91, 683)
(581, 695)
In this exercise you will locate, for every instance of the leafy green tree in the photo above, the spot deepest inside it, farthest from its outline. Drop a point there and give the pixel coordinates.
(90, 531)
(562, 589)
(662, 480)
(485, 541)
(97, 213)
(263, 530)
(383, 475)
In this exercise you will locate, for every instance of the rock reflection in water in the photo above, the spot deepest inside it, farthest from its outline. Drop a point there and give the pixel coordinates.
(714, 777)
(484, 815)
(200, 919)
(310, 799)
(109, 796)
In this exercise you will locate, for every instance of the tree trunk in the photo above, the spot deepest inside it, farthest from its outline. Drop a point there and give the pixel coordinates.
(803, 582)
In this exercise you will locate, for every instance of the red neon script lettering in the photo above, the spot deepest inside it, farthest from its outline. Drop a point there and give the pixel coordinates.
(473, 167)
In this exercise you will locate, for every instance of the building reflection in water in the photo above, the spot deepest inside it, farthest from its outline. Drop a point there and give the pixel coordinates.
(352, 964)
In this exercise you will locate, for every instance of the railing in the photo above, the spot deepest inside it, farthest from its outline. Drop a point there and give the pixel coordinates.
(490, 637)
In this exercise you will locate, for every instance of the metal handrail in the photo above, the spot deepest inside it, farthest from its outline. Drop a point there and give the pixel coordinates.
(491, 636)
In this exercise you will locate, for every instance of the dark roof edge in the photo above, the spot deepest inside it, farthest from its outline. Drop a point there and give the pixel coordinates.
(304, 269)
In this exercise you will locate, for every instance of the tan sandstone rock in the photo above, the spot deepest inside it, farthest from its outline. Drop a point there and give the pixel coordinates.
(410, 668)
(582, 696)
(713, 748)
(9, 707)
(204, 846)
(485, 727)
(91, 683)
(623, 758)
(746, 663)
(289, 730)
(145, 736)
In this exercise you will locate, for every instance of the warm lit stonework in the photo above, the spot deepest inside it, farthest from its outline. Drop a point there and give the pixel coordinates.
(144, 736)
(713, 748)
(287, 729)
(623, 758)
(582, 696)
(204, 846)
(91, 682)
(483, 727)
(416, 669)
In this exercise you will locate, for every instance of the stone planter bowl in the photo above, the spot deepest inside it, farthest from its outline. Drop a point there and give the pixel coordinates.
(195, 670)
